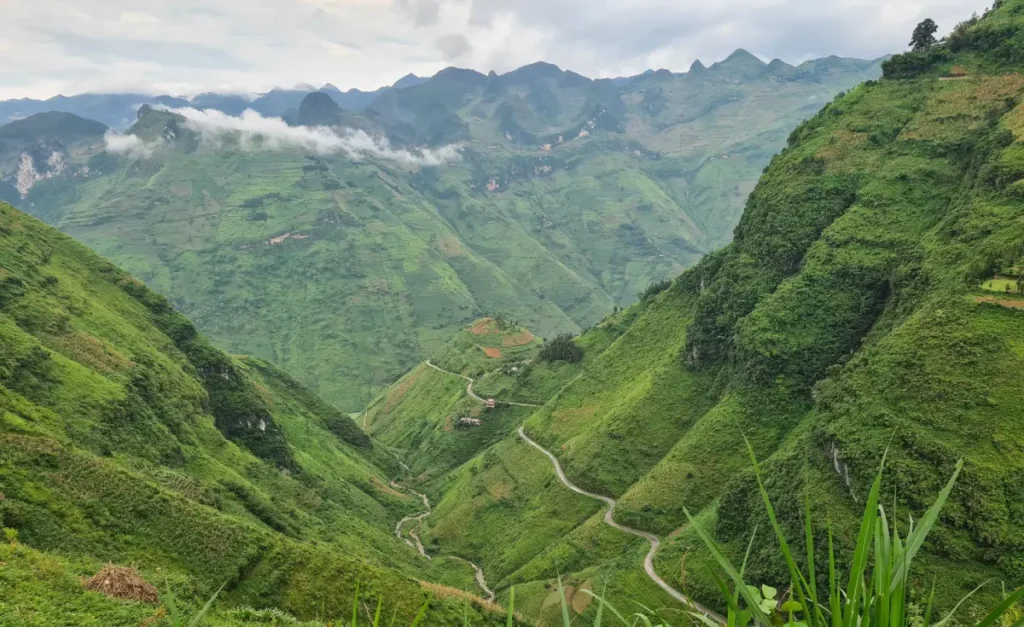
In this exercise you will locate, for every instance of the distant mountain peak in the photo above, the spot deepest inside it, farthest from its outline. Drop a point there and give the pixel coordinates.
(697, 66)
(408, 80)
(318, 109)
(459, 74)
(742, 56)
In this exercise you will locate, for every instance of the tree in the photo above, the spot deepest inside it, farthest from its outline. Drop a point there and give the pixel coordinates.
(924, 35)
(562, 348)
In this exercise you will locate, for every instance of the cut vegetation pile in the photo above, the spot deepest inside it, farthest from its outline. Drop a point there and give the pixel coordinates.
(122, 582)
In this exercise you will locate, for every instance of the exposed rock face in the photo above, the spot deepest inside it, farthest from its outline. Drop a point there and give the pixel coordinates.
(31, 172)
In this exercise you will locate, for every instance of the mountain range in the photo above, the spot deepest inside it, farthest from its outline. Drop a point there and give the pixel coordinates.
(559, 198)
(867, 313)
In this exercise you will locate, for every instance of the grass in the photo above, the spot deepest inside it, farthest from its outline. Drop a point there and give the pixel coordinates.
(1000, 286)
(840, 323)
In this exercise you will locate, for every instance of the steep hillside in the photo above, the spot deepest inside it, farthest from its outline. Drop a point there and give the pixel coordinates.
(427, 415)
(868, 302)
(125, 437)
(569, 196)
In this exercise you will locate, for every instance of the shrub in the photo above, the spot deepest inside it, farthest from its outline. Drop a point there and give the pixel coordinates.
(654, 289)
(561, 348)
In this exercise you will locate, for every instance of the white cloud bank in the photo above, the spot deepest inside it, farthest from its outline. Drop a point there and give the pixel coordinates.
(252, 131)
(130, 145)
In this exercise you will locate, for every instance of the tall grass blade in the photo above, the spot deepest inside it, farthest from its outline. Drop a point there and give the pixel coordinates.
(1007, 603)
(604, 603)
(600, 606)
(172, 608)
(797, 578)
(511, 607)
(861, 553)
(206, 608)
(376, 615)
(948, 618)
(931, 604)
(816, 618)
(730, 570)
(355, 607)
(565, 606)
(423, 612)
(916, 538)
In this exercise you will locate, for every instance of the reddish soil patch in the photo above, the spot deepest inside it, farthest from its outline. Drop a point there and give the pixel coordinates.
(384, 487)
(484, 327)
(1012, 304)
(522, 338)
(493, 353)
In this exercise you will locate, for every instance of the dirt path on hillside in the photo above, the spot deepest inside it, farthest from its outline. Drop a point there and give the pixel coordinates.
(469, 387)
(418, 545)
(609, 519)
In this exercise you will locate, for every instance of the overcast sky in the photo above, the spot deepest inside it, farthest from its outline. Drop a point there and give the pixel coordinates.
(187, 46)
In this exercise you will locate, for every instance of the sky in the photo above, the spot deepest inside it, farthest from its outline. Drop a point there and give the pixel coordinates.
(183, 47)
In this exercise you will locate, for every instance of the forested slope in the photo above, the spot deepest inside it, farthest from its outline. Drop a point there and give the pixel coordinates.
(125, 437)
(869, 302)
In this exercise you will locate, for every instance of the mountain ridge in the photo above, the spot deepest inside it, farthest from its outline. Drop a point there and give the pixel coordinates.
(567, 197)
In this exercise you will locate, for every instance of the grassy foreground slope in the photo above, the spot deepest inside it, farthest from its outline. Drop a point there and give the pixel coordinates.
(848, 317)
(125, 437)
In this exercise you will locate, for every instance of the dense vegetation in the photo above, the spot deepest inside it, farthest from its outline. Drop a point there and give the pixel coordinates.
(561, 348)
(347, 273)
(126, 437)
(862, 307)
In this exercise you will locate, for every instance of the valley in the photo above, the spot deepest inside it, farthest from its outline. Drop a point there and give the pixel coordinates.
(348, 269)
(742, 345)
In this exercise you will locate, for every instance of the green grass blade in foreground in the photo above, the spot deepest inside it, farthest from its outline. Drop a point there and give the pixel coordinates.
(916, 538)
(565, 606)
(422, 613)
(172, 608)
(819, 618)
(730, 570)
(376, 615)
(797, 578)
(1001, 609)
(855, 587)
(511, 607)
(355, 607)
(948, 618)
(206, 608)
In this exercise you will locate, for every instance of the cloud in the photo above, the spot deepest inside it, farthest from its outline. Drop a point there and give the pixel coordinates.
(190, 46)
(423, 12)
(453, 46)
(129, 145)
(252, 131)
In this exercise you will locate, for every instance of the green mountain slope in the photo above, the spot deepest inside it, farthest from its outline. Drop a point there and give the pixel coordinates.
(346, 272)
(867, 303)
(125, 437)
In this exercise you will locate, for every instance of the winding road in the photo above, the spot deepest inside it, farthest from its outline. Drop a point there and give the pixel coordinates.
(469, 387)
(609, 515)
(414, 532)
(609, 519)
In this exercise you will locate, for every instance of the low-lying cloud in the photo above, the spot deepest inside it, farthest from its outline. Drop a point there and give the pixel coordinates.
(252, 131)
(130, 145)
